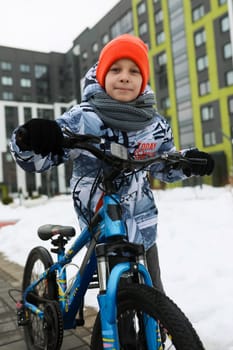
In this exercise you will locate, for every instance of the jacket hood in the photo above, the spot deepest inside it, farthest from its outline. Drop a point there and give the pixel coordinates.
(91, 85)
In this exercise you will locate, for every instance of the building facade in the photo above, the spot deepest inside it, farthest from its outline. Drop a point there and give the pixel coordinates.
(32, 85)
(190, 51)
(192, 72)
(44, 85)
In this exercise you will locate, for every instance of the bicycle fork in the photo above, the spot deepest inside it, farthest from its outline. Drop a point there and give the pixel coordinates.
(107, 300)
(116, 258)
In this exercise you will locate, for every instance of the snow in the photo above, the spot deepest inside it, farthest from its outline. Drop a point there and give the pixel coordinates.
(195, 247)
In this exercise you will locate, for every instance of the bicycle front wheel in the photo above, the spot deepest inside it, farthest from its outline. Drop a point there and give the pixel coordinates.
(133, 301)
(36, 330)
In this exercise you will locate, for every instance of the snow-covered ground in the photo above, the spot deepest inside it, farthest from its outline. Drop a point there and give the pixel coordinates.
(195, 245)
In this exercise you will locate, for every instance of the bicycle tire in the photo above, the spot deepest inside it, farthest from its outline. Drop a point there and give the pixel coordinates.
(53, 326)
(39, 260)
(157, 305)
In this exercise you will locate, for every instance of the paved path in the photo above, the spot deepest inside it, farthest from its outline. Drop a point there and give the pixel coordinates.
(11, 336)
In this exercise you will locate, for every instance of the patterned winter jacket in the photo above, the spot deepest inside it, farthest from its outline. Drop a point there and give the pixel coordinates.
(139, 208)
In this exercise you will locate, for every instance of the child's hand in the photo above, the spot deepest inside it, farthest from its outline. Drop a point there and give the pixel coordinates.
(41, 136)
(199, 169)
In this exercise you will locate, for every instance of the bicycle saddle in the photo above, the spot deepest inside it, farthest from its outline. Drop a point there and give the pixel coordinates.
(46, 232)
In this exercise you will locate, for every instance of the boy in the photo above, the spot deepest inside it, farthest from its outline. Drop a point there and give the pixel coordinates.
(118, 106)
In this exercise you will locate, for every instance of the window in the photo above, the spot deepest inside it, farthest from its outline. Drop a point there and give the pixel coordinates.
(204, 88)
(162, 79)
(179, 46)
(143, 28)
(95, 47)
(105, 39)
(124, 25)
(183, 91)
(177, 20)
(27, 114)
(202, 63)
(181, 68)
(45, 113)
(227, 50)
(7, 95)
(11, 119)
(85, 55)
(230, 105)
(162, 59)
(40, 71)
(76, 50)
(160, 37)
(42, 91)
(159, 16)
(229, 78)
(26, 83)
(198, 12)
(42, 86)
(6, 66)
(209, 138)
(127, 22)
(224, 24)
(141, 8)
(7, 81)
(26, 97)
(222, 2)
(207, 113)
(165, 103)
(185, 111)
(200, 38)
(24, 68)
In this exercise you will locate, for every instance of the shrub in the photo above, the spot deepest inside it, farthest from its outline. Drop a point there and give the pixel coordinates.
(7, 200)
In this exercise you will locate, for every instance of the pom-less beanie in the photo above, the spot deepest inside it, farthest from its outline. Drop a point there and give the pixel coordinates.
(124, 46)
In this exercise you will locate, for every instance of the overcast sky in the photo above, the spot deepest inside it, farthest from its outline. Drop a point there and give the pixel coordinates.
(48, 25)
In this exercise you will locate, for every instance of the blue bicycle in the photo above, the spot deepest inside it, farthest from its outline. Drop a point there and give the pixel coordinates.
(132, 313)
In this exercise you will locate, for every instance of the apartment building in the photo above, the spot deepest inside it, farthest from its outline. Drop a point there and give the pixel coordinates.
(190, 51)
(44, 85)
(32, 85)
(192, 72)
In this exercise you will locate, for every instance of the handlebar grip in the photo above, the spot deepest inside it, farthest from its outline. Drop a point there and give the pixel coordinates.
(200, 161)
(74, 139)
(22, 139)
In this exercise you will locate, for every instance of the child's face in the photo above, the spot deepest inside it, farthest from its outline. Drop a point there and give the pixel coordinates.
(123, 80)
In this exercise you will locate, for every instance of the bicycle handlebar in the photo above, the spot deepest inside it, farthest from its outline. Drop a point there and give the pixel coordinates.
(85, 142)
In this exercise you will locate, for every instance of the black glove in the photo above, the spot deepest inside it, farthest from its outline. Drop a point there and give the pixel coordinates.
(41, 136)
(198, 169)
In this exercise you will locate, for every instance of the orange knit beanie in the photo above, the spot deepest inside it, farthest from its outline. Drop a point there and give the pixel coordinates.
(124, 46)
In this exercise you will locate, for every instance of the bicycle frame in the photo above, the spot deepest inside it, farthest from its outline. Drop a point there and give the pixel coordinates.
(106, 223)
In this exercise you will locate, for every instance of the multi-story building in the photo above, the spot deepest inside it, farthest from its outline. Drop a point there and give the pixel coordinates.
(43, 85)
(32, 85)
(192, 72)
(190, 51)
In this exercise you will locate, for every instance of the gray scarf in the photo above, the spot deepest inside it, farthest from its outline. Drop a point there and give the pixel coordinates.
(130, 116)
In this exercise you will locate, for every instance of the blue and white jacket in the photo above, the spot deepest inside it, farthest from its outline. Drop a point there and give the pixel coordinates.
(139, 208)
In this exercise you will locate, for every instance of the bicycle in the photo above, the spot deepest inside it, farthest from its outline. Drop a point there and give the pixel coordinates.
(129, 306)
